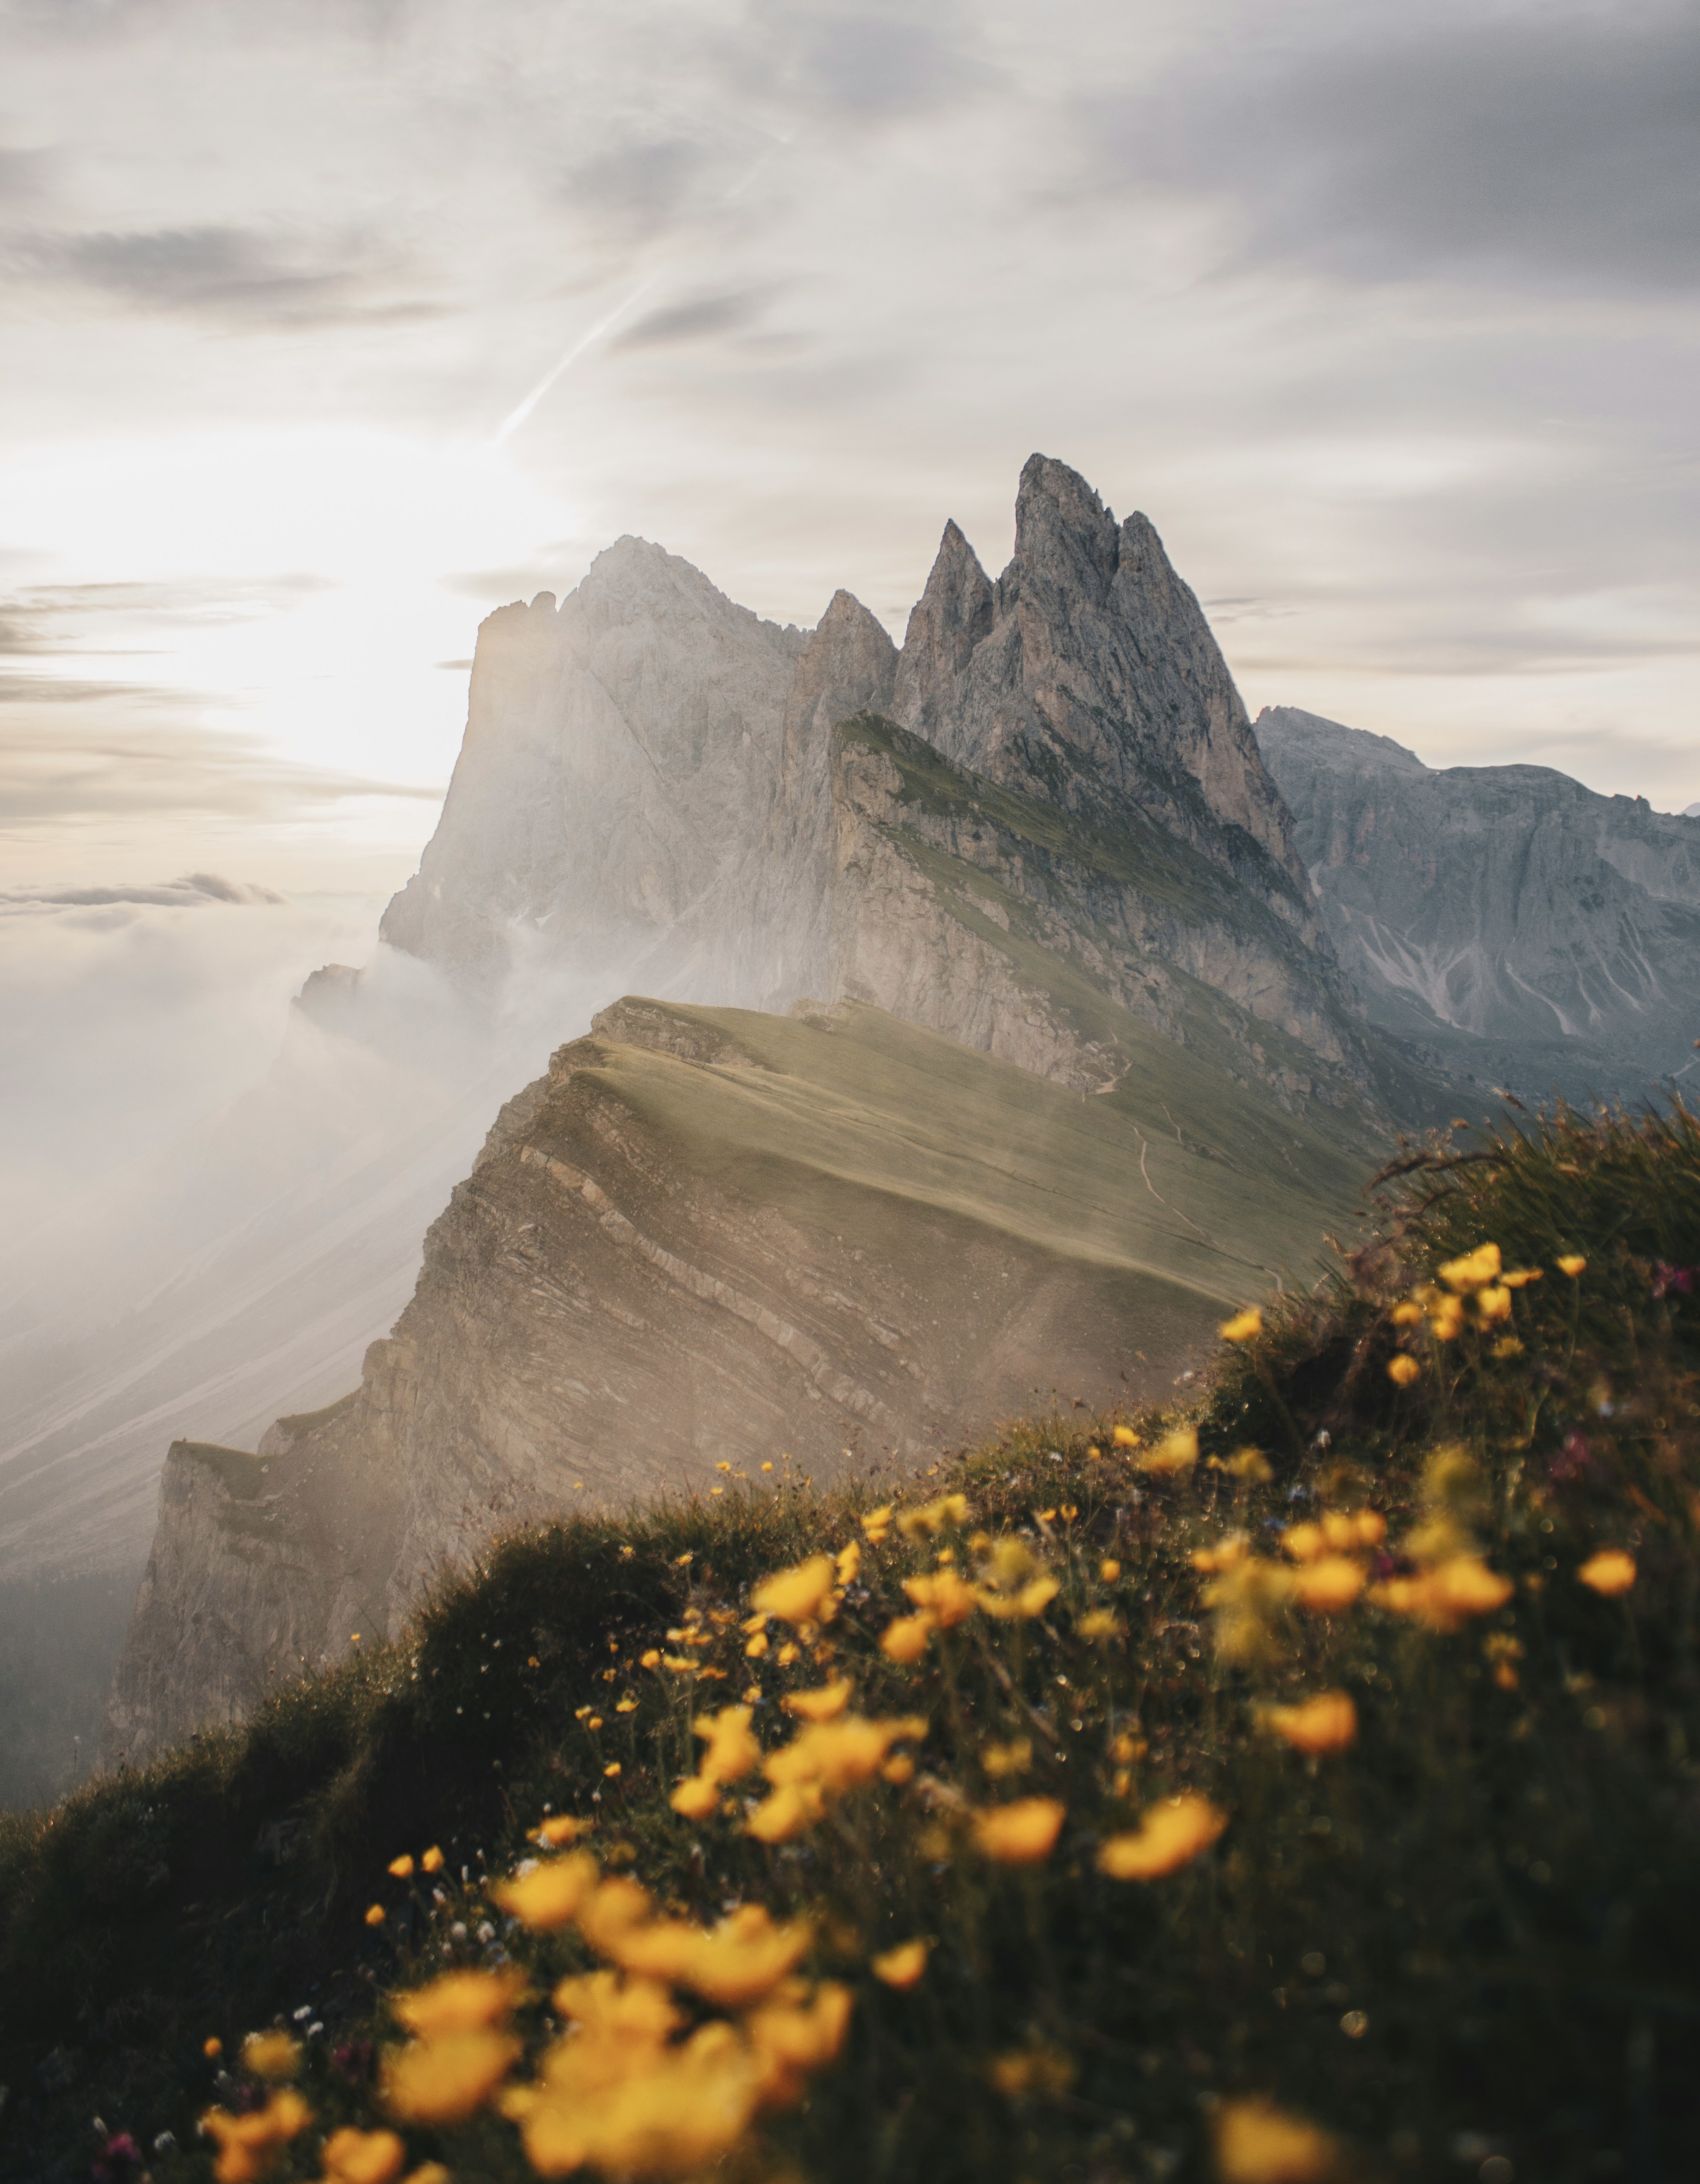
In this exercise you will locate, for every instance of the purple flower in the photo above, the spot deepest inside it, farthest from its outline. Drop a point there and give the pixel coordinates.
(1574, 1460)
(1672, 1281)
(118, 2161)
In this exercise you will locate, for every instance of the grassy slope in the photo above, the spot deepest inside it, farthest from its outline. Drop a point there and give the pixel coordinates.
(1471, 1938)
(874, 1116)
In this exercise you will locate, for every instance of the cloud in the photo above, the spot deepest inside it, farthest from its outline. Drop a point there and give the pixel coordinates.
(697, 319)
(1540, 143)
(60, 619)
(860, 65)
(248, 279)
(639, 189)
(63, 776)
(194, 891)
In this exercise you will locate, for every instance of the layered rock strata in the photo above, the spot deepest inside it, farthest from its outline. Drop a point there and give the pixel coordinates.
(825, 1242)
(1535, 929)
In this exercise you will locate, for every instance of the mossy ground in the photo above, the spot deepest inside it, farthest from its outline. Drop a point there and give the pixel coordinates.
(1465, 1946)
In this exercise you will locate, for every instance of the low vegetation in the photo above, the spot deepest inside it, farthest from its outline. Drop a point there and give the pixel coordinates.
(1300, 1787)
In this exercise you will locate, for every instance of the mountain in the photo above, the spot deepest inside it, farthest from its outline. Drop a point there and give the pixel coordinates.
(1042, 834)
(1524, 927)
(653, 778)
(719, 1238)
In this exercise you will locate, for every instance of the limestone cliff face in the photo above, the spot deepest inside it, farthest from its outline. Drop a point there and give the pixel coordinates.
(621, 758)
(824, 1242)
(1506, 903)
(1088, 668)
(651, 787)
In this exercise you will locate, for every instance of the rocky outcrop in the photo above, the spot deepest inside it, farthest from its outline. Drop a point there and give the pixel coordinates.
(650, 787)
(1504, 912)
(1087, 672)
(826, 1242)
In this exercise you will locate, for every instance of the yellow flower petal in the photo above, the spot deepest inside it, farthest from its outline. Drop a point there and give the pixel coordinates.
(1023, 1833)
(1327, 1723)
(903, 1966)
(1610, 1571)
(1168, 1836)
(1243, 1327)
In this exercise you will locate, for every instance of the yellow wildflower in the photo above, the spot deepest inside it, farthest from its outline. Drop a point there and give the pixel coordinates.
(271, 2055)
(1610, 1571)
(1475, 1270)
(1244, 1326)
(733, 1750)
(460, 2002)
(695, 1798)
(1304, 1542)
(1258, 2144)
(848, 1563)
(249, 2145)
(212, 2048)
(1573, 1264)
(948, 1598)
(612, 1767)
(1232, 1547)
(789, 2037)
(652, 1659)
(444, 2081)
(362, 2157)
(839, 1756)
(878, 1522)
(1031, 1600)
(821, 1705)
(1109, 1569)
(401, 1867)
(1250, 1464)
(1247, 1597)
(802, 1595)
(934, 1517)
(1041, 2070)
(907, 1638)
(1401, 1371)
(1127, 1748)
(1447, 1594)
(1327, 1586)
(1014, 1757)
(903, 1966)
(1327, 1723)
(433, 1860)
(1407, 1313)
(1494, 1303)
(1125, 1437)
(1169, 1836)
(561, 1829)
(1098, 1623)
(549, 1894)
(788, 1813)
(1175, 1451)
(1021, 1833)
(374, 1914)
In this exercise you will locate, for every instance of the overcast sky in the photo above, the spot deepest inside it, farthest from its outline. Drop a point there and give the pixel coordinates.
(1386, 316)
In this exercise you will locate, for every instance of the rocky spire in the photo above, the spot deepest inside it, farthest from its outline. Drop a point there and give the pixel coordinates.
(946, 622)
(1088, 671)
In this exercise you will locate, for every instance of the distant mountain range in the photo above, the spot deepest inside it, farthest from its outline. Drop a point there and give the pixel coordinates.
(1525, 929)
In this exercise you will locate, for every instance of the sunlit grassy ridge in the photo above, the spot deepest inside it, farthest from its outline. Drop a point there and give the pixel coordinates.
(1417, 1651)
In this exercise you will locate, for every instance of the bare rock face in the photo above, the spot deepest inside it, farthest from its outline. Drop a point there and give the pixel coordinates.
(653, 784)
(1089, 667)
(829, 1242)
(622, 755)
(1538, 932)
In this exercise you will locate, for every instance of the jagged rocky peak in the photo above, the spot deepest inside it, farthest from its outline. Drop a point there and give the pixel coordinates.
(1088, 666)
(849, 666)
